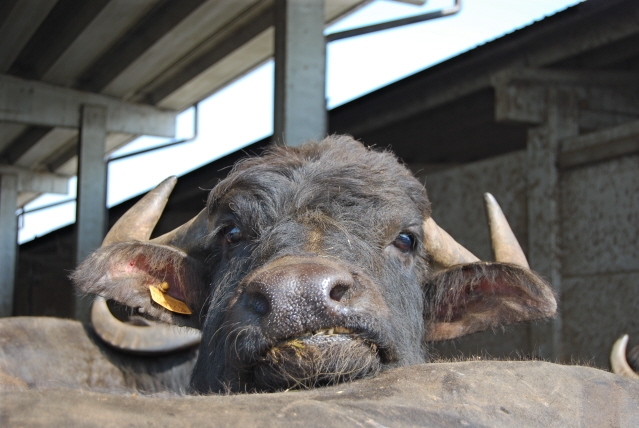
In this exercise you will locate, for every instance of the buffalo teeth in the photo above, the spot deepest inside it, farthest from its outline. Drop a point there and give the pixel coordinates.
(332, 330)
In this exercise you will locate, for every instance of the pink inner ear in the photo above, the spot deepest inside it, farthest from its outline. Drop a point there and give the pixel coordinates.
(139, 268)
(131, 267)
(479, 296)
(477, 293)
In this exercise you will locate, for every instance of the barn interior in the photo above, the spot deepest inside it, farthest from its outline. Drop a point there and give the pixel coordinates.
(545, 118)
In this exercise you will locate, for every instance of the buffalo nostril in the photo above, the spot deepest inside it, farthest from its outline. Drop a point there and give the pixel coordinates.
(337, 292)
(258, 304)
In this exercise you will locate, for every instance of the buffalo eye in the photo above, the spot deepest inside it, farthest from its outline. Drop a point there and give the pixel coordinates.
(232, 234)
(404, 242)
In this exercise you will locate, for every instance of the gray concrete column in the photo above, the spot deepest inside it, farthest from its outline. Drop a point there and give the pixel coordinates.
(300, 71)
(92, 184)
(8, 241)
(543, 208)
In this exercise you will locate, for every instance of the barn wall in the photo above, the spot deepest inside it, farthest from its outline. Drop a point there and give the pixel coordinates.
(599, 232)
(43, 286)
(599, 207)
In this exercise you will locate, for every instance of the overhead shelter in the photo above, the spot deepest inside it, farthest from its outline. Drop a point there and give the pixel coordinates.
(547, 118)
(79, 79)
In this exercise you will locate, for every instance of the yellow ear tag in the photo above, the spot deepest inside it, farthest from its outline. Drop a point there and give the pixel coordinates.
(161, 298)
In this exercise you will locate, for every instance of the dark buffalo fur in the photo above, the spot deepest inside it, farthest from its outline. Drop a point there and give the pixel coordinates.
(359, 200)
(338, 207)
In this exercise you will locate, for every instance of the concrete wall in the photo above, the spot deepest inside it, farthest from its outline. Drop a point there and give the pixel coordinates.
(599, 207)
(599, 235)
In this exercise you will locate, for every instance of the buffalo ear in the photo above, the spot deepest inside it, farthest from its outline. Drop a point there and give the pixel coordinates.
(159, 280)
(478, 296)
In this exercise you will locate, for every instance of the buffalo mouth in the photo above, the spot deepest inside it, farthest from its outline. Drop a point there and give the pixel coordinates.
(322, 357)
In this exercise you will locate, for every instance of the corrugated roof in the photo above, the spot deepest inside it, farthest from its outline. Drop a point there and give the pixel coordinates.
(165, 53)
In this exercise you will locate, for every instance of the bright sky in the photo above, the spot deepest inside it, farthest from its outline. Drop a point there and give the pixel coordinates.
(242, 113)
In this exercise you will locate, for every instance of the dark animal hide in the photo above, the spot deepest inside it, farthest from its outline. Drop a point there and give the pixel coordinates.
(311, 272)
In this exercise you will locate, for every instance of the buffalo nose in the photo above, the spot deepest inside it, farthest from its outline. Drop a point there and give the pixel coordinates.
(258, 303)
(338, 291)
(299, 292)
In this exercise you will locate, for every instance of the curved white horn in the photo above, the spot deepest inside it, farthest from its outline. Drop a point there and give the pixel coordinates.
(447, 252)
(153, 339)
(138, 222)
(444, 250)
(187, 235)
(506, 248)
(618, 360)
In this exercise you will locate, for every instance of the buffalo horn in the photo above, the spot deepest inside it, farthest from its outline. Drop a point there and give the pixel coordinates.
(447, 252)
(618, 360)
(444, 250)
(505, 247)
(153, 339)
(137, 224)
(188, 235)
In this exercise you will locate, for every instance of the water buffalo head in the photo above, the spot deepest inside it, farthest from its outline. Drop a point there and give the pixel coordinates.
(308, 266)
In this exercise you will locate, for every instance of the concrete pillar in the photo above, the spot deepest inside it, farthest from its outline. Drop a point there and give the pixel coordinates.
(300, 71)
(92, 183)
(543, 207)
(8, 241)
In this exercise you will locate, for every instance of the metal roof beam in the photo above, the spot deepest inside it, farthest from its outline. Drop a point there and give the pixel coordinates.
(8, 241)
(155, 25)
(396, 23)
(300, 64)
(39, 182)
(14, 16)
(220, 48)
(36, 103)
(67, 19)
(92, 184)
(25, 141)
(8, 133)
